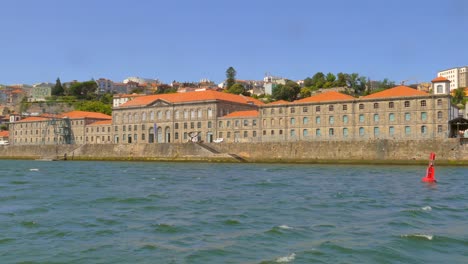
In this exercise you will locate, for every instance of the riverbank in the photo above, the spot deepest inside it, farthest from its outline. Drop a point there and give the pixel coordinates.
(449, 152)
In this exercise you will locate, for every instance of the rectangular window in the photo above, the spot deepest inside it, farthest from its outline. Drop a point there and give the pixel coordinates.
(391, 117)
(345, 107)
(376, 131)
(345, 119)
(318, 132)
(407, 116)
(293, 110)
(345, 132)
(305, 109)
(246, 134)
(361, 118)
(331, 120)
(391, 131)
(423, 116)
(254, 122)
(407, 130)
(246, 122)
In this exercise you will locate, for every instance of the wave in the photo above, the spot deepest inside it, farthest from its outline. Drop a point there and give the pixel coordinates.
(418, 236)
(166, 228)
(33, 169)
(426, 208)
(19, 182)
(6, 240)
(285, 227)
(287, 258)
(231, 222)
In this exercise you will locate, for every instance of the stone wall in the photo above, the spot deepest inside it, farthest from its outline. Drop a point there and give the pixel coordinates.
(449, 151)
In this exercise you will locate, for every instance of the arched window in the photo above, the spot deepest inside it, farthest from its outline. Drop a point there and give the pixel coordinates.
(305, 120)
(177, 114)
(159, 115)
(151, 115)
(439, 115)
(199, 113)
(143, 116)
(168, 114)
(440, 89)
(210, 112)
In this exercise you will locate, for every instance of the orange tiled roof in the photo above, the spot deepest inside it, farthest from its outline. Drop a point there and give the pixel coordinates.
(326, 96)
(279, 102)
(102, 122)
(4, 134)
(33, 119)
(83, 114)
(191, 97)
(440, 79)
(399, 91)
(248, 113)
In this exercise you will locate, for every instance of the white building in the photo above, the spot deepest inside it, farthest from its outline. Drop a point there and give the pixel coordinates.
(140, 80)
(456, 76)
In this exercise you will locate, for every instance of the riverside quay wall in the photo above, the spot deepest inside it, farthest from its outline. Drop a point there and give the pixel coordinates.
(449, 151)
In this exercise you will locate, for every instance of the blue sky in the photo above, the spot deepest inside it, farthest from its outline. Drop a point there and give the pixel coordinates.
(190, 40)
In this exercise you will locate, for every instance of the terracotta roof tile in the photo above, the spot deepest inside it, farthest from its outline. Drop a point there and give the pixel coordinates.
(399, 91)
(326, 96)
(83, 114)
(102, 122)
(191, 97)
(440, 79)
(4, 133)
(32, 119)
(248, 113)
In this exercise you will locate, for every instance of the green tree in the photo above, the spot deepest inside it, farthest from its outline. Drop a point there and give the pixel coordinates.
(236, 89)
(3, 127)
(330, 80)
(288, 91)
(305, 92)
(458, 96)
(58, 88)
(341, 79)
(308, 82)
(84, 90)
(94, 106)
(318, 80)
(230, 77)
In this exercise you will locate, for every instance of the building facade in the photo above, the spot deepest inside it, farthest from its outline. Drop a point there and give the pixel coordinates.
(399, 113)
(457, 76)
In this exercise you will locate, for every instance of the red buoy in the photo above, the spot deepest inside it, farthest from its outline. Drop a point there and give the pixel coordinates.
(430, 172)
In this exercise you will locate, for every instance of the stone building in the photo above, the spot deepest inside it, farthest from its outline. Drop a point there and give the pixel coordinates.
(68, 128)
(399, 113)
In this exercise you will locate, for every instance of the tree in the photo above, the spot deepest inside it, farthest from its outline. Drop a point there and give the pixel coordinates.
(236, 89)
(318, 80)
(286, 92)
(58, 88)
(230, 77)
(84, 90)
(458, 96)
(341, 79)
(94, 106)
(330, 80)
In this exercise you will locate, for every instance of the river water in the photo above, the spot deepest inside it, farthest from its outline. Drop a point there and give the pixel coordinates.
(149, 212)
